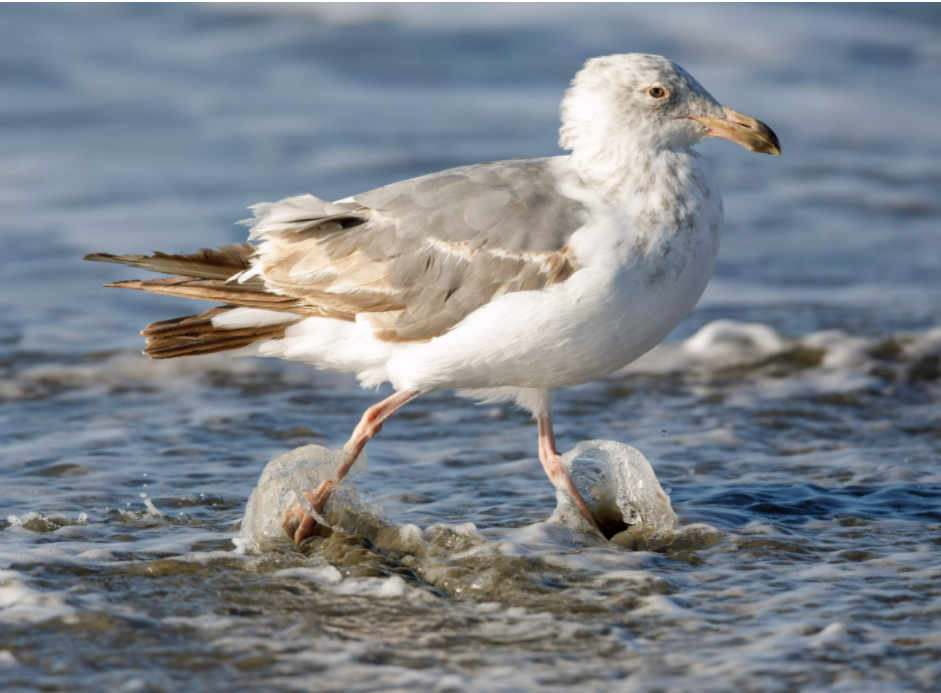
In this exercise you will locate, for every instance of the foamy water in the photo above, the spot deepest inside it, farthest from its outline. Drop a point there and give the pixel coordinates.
(792, 420)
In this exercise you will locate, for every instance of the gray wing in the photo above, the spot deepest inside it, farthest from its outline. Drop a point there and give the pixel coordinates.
(513, 204)
(417, 257)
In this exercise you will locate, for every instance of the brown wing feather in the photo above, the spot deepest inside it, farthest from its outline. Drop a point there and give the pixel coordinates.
(220, 292)
(195, 335)
(185, 325)
(223, 263)
(321, 304)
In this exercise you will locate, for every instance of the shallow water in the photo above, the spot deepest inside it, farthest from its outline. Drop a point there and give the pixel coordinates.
(799, 444)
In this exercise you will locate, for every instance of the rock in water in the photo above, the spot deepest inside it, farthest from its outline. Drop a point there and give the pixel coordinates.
(619, 486)
(281, 486)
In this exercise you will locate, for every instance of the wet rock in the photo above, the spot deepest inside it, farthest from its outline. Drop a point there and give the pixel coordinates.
(926, 368)
(40, 522)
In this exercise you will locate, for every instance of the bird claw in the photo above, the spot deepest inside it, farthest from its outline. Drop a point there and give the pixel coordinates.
(298, 523)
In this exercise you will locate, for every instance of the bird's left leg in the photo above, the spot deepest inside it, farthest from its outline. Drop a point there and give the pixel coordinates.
(552, 463)
(298, 523)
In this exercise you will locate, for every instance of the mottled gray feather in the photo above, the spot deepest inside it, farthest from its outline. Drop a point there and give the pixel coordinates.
(511, 204)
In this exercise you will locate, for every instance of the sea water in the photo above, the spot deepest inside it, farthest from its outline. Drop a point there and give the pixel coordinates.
(792, 421)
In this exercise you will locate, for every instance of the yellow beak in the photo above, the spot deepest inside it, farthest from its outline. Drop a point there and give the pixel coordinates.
(737, 127)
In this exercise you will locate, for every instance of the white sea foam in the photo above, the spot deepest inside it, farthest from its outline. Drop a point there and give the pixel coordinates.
(20, 603)
(825, 361)
(325, 574)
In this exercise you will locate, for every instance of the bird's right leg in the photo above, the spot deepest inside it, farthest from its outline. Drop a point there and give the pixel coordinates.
(298, 523)
(558, 475)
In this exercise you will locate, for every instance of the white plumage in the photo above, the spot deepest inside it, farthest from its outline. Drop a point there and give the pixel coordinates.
(634, 286)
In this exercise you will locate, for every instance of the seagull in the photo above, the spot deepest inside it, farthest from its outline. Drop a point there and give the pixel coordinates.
(501, 281)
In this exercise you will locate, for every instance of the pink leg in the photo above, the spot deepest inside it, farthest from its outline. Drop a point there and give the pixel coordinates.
(297, 522)
(552, 463)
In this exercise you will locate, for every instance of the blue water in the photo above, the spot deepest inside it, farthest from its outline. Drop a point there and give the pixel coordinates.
(805, 461)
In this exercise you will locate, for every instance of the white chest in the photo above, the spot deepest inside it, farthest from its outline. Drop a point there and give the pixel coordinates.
(649, 260)
(642, 269)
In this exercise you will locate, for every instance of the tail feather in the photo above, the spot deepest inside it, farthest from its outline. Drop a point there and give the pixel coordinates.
(195, 335)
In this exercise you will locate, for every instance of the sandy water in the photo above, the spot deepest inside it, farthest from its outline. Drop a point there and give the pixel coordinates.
(799, 443)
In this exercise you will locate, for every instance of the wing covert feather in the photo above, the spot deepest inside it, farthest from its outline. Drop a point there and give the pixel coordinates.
(428, 251)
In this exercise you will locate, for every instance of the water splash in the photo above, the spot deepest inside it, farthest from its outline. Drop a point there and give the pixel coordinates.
(616, 480)
(281, 487)
(619, 486)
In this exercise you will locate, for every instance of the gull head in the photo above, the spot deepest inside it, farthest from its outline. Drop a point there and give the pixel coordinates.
(622, 104)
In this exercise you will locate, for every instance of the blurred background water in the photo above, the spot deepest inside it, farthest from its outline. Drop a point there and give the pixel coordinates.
(800, 440)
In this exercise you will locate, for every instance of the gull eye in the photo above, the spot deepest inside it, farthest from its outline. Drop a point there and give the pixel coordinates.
(657, 92)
